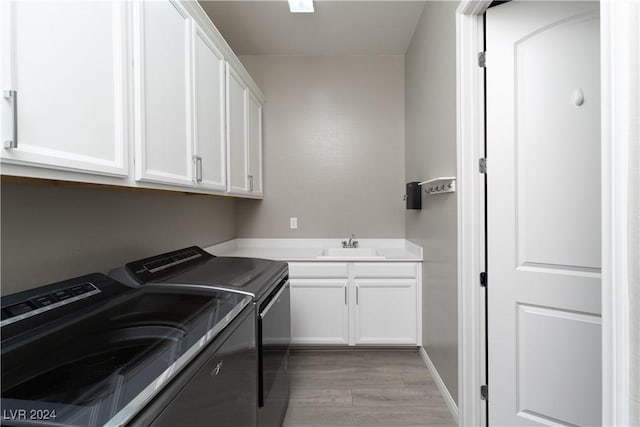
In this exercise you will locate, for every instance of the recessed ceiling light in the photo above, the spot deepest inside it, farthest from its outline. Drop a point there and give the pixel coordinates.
(301, 6)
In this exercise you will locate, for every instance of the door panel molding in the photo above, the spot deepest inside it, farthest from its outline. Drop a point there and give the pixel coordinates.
(571, 270)
(535, 326)
(547, 114)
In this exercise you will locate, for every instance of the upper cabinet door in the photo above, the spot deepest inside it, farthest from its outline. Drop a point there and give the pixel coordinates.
(254, 136)
(209, 88)
(64, 86)
(163, 93)
(238, 181)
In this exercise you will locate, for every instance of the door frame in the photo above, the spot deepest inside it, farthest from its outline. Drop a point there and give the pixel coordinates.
(616, 46)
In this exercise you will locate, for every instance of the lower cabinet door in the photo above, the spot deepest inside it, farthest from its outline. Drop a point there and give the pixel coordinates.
(385, 311)
(319, 311)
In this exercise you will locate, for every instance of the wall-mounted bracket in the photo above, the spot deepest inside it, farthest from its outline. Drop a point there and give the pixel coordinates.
(444, 184)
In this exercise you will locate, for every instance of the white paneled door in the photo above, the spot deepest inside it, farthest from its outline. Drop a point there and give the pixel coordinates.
(543, 154)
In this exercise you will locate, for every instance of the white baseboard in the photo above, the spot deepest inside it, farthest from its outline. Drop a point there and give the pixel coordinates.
(448, 399)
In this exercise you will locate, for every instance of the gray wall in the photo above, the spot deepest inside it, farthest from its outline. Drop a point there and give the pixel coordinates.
(333, 147)
(430, 109)
(51, 232)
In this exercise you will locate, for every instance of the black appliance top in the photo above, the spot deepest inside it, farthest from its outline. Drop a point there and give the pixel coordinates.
(103, 361)
(194, 266)
(159, 266)
(28, 313)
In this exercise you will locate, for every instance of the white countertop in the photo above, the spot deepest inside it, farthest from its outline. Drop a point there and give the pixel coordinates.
(393, 250)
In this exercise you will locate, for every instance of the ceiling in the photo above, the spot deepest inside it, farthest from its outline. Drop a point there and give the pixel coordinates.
(338, 27)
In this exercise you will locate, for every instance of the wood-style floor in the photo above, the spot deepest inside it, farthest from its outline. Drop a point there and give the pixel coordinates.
(363, 388)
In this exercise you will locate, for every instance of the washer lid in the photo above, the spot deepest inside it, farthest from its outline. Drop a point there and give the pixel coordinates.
(253, 276)
(195, 266)
(107, 365)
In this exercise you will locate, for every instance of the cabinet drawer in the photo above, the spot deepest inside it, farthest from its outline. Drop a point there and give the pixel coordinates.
(318, 269)
(384, 269)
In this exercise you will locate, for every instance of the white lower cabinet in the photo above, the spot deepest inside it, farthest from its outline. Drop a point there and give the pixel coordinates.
(355, 303)
(319, 311)
(385, 311)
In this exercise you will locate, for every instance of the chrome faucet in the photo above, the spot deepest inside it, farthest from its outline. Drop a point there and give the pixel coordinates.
(350, 243)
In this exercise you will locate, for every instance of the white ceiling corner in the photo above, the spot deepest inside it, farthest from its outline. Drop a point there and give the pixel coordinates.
(337, 27)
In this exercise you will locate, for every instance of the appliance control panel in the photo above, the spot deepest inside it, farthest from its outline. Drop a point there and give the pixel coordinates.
(159, 266)
(28, 304)
(42, 303)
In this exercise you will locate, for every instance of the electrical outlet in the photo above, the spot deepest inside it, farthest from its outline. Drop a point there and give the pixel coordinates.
(293, 223)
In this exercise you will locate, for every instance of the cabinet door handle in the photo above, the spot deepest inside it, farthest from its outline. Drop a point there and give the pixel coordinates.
(12, 96)
(357, 299)
(198, 163)
(250, 182)
(345, 295)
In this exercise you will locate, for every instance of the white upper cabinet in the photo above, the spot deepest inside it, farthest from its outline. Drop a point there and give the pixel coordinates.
(209, 99)
(142, 94)
(64, 86)
(163, 93)
(244, 137)
(238, 180)
(254, 142)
